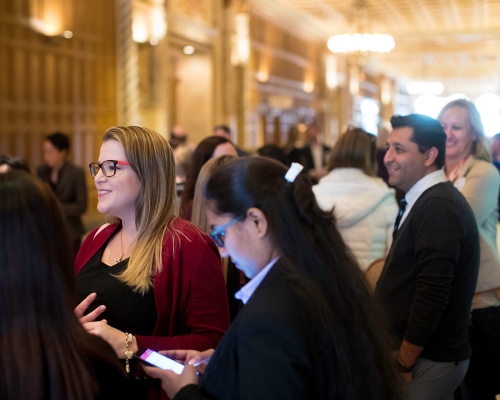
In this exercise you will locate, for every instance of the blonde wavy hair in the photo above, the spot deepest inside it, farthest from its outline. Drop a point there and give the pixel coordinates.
(152, 159)
(481, 147)
(199, 214)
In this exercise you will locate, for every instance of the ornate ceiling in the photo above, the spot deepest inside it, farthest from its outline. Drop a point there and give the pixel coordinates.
(455, 41)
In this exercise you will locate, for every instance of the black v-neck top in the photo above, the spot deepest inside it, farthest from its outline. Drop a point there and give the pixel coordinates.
(126, 310)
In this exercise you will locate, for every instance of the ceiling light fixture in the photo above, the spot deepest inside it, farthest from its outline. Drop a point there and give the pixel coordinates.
(360, 39)
(435, 88)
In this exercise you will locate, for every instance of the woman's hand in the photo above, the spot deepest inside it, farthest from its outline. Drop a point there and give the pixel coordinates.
(82, 307)
(198, 359)
(114, 337)
(170, 381)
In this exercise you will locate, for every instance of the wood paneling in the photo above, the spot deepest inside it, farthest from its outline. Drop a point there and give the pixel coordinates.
(49, 84)
(282, 66)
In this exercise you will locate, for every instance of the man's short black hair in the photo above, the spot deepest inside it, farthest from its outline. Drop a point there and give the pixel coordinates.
(427, 133)
(59, 140)
(224, 128)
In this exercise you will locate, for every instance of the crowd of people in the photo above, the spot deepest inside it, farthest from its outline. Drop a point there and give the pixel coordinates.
(250, 270)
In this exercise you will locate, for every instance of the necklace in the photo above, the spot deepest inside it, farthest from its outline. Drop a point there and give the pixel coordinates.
(123, 252)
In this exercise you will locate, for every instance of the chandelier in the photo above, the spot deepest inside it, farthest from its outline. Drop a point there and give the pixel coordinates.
(360, 40)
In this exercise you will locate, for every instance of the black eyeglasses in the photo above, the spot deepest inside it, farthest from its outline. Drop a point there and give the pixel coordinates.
(219, 232)
(108, 167)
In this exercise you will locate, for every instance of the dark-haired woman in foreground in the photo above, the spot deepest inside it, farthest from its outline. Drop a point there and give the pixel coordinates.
(44, 351)
(309, 329)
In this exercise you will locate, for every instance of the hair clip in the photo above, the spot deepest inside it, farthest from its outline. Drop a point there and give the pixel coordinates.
(294, 170)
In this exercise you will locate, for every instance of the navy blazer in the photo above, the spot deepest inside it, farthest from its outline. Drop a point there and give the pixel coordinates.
(268, 351)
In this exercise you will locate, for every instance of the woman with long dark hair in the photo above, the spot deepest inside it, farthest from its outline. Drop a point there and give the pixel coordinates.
(212, 146)
(309, 329)
(44, 351)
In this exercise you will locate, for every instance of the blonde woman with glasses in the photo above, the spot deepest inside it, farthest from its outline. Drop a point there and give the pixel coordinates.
(149, 279)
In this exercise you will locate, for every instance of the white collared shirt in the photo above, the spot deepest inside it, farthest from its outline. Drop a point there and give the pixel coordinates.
(246, 291)
(420, 187)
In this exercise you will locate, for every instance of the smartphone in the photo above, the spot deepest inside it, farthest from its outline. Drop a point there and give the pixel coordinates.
(155, 359)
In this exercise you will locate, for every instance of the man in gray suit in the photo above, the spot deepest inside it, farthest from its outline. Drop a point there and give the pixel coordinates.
(68, 183)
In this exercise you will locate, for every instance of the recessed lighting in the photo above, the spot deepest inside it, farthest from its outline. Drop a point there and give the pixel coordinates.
(67, 34)
(153, 41)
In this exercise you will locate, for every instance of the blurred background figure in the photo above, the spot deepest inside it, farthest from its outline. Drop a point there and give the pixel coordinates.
(212, 146)
(363, 204)
(183, 156)
(68, 183)
(178, 137)
(292, 142)
(314, 155)
(158, 276)
(495, 147)
(224, 131)
(234, 278)
(272, 151)
(468, 165)
(45, 353)
(9, 162)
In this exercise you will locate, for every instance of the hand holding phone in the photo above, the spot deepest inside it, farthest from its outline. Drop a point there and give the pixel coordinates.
(155, 359)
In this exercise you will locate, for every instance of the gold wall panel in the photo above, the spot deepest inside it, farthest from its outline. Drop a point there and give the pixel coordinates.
(53, 83)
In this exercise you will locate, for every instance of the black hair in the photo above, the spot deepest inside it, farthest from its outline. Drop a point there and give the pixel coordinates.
(321, 269)
(272, 151)
(14, 162)
(224, 128)
(427, 133)
(45, 352)
(203, 152)
(59, 140)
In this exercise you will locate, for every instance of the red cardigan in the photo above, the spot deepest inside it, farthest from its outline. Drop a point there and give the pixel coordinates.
(190, 293)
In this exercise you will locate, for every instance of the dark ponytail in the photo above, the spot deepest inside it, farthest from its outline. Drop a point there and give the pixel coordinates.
(321, 269)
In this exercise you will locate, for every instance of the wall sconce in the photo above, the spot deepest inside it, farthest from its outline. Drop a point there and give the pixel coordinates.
(332, 81)
(148, 22)
(50, 18)
(308, 87)
(385, 92)
(262, 76)
(354, 81)
(263, 71)
(242, 51)
(188, 50)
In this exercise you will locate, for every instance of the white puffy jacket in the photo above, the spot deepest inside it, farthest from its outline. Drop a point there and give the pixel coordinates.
(365, 209)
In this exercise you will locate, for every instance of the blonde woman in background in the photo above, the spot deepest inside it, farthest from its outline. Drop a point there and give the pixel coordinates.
(468, 165)
(364, 206)
(153, 279)
(199, 218)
